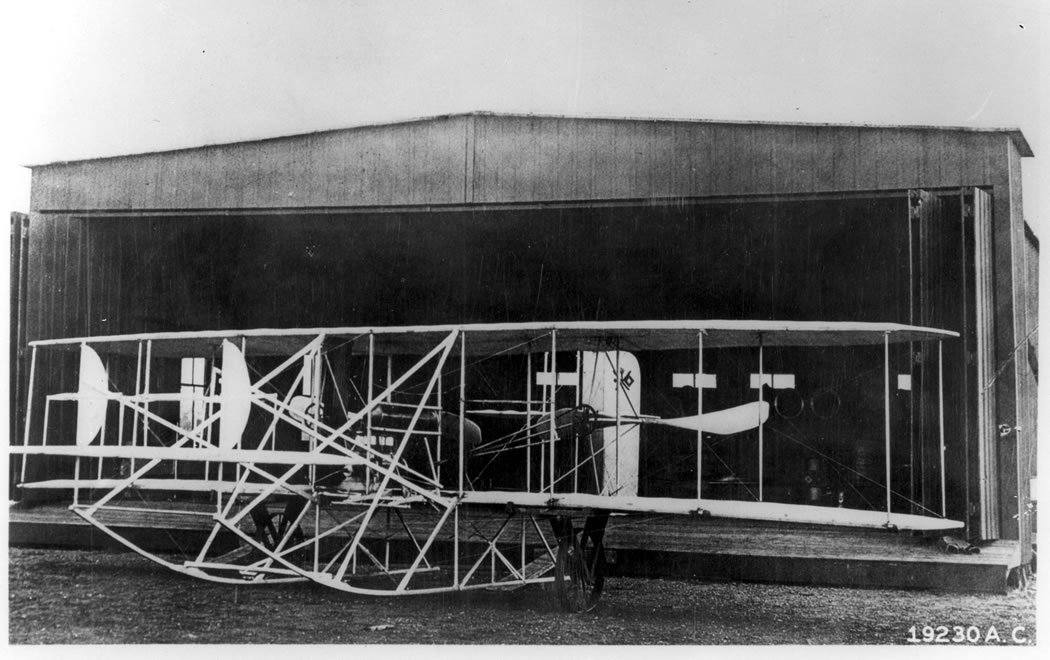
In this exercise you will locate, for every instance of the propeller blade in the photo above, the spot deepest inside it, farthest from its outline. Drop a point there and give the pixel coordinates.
(723, 422)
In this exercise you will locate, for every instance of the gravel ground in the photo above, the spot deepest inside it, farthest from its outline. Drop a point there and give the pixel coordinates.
(123, 598)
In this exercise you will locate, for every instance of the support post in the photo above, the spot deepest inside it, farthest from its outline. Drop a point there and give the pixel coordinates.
(616, 441)
(553, 409)
(940, 421)
(575, 435)
(462, 404)
(145, 400)
(209, 408)
(102, 435)
(761, 436)
(699, 414)
(29, 411)
(440, 430)
(542, 445)
(315, 395)
(76, 480)
(886, 405)
(528, 422)
(462, 435)
(317, 538)
(134, 413)
(369, 439)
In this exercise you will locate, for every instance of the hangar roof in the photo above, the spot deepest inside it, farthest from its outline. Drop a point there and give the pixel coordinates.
(1015, 133)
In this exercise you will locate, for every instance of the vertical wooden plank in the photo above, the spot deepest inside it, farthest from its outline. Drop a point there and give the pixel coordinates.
(39, 249)
(885, 159)
(1009, 313)
(817, 149)
(746, 151)
(978, 158)
(903, 159)
(311, 187)
(16, 352)
(324, 180)
(702, 159)
(990, 495)
(586, 158)
(210, 166)
(1028, 392)
(791, 160)
(930, 158)
(953, 157)
(564, 172)
(778, 169)
(680, 174)
(623, 182)
(580, 161)
(151, 184)
(868, 154)
(722, 164)
(602, 147)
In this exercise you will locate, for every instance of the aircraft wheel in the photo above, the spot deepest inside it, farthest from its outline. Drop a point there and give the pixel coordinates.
(579, 573)
(275, 528)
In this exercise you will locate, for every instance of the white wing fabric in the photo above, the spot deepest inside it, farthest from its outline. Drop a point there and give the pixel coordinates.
(234, 398)
(92, 396)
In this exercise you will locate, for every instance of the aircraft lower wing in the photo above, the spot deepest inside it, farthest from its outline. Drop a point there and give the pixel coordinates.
(214, 455)
(769, 511)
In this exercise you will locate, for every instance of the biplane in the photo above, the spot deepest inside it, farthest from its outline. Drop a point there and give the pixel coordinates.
(410, 460)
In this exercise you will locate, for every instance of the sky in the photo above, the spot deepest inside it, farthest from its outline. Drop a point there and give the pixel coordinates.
(110, 77)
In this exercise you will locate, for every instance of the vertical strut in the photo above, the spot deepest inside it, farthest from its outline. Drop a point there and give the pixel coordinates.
(368, 414)
(102, 435)
(209, 408)
(440, 430)
(29, 410)
(761, 400)
(940, 414)
(553, 390)
(528, 421)
(616, 440)
(575, 435)
(134, 412)
(886, 403)
(542, 445)
(145, 402)
(462, 405)
(462, 434)
(699, 414)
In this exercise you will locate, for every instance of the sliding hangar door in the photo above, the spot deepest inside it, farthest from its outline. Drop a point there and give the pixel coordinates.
(918, 257)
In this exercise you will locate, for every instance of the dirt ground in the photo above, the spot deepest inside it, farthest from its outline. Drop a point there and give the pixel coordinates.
(122, 598)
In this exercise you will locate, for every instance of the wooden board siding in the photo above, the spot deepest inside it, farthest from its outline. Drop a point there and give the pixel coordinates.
(402, 164)
(582, 159)
(1021, 451)
(498, 159)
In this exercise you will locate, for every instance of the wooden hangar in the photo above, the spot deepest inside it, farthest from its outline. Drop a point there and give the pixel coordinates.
(483, 218)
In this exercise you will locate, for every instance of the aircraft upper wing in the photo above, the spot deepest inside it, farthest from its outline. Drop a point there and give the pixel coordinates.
(510, 338)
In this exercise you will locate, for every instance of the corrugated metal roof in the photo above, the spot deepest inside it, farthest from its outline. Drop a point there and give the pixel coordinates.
(1015, 133)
